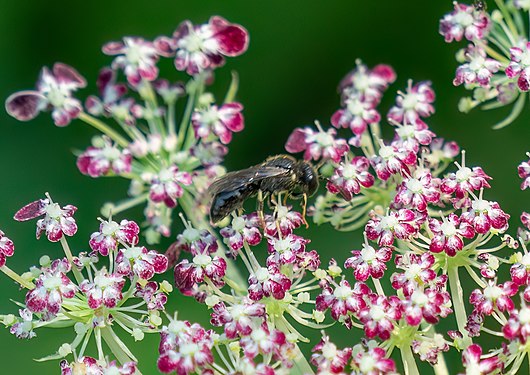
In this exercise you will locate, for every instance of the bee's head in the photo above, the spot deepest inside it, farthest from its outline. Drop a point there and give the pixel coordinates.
(307, 177)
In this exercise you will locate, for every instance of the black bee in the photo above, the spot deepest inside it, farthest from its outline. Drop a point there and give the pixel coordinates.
(276, 175)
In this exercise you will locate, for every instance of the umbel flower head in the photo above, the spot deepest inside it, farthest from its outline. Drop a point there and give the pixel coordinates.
(100, 295)
(142, 137)
(494, 65)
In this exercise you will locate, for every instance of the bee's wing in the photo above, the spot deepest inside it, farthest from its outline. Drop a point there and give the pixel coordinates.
(238, 179)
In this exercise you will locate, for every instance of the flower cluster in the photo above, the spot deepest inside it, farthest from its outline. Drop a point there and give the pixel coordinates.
(159, 156)
(494, 64)
(426, 220)
(100, 302)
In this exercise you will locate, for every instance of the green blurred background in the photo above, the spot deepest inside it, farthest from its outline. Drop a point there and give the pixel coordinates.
(299, 51)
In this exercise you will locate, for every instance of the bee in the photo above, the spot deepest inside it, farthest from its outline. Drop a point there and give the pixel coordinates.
(280, 174)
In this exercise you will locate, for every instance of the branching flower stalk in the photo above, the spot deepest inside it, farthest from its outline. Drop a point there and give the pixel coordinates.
(495, 65)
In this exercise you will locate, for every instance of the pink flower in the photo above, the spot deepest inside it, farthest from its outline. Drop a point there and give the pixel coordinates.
(485, 215)
(89, 366)
(209, 153)
(418, 273)
(221, 121)
(104, 159)
(328, 358)
(56, 222)
(465, 180)
(185, 348)
(196, 241)
(154, 298)
(187, 274)
(368, 84)
(268, 282)
(369, 359)
(471, 358)
(417, 192)
(51, 287)
(413, 105)
(136, 56)
(428, 305)
(356, 115)
(524, 172)
(285, 250)
(238, 319)
(54, 93)
(342, 301)
(139, 261)
(284, 219)
(349, 177)
(243, 229)
(466, 21)
(111, 234)
(518, 325)
(440, 151)
(317, 145)
(104, 290)
(23, 328)
(7, 248)
(265, 341)
(379, 315)
(392, 160)
(402, 224)
(167, 186)
(411, 137)
(494, 297)
(368, 262)
(203, 47)
(111, 103)
(449, 234)
(519, 66)
(478, 70)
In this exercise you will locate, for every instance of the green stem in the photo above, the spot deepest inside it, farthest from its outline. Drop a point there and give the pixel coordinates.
(17, 278)
(301, 365)
(186, 118)
(232, 90)
(77, 274)
(457, 295)
(408, 361)
(110, 339)
(104, 128)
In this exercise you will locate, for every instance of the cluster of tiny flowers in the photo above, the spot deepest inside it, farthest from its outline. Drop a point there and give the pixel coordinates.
(169, 158)
(253, 331)
(495, 64)
(432, 222)
(425, 218)
(100, 302)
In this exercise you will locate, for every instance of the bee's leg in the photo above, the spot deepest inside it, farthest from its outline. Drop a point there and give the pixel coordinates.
(273, 202)
(259, 209)
(304, 210)
(285, 199)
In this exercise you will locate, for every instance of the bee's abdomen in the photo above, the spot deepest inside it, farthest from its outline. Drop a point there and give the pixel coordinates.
(227, 201)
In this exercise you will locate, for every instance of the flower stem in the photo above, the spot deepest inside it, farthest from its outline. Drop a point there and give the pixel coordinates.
(17, 278)
(301, 365)
(117, 347)
(77, 274)
(104, 128)
(408, 361)
(457, 295)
